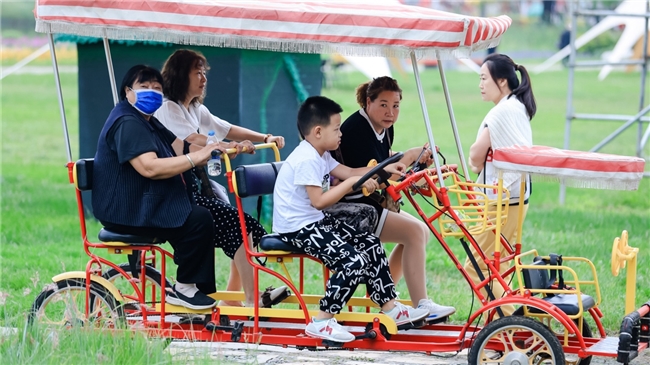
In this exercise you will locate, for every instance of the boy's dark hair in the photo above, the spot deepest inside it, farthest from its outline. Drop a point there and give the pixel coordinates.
(139, 73)
(316, 110)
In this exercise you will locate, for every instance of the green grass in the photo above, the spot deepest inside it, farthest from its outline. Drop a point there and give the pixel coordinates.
(40, 229)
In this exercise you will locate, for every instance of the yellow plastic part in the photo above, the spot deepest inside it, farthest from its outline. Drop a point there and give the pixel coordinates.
(621, 254)
(95, 278)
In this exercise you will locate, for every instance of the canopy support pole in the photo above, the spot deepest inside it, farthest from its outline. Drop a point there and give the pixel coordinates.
(452, 118)
(425, 113)
(111, 72)
(57, 82)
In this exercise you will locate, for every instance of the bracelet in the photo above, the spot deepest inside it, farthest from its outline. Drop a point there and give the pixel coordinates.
(266, 138)
(190, 160)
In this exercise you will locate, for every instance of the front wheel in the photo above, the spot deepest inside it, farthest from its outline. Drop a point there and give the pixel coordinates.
(516, 340)
(63, 304)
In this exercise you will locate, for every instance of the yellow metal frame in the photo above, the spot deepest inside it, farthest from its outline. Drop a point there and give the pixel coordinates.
(391, 327)
(477, 216)
(571, 281)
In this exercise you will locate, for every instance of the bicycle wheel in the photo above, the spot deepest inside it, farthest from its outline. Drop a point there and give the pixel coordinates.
(63, 303)
(516, 340)
(153, 287)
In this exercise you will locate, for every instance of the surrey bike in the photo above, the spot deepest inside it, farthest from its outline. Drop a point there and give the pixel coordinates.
(553, 300)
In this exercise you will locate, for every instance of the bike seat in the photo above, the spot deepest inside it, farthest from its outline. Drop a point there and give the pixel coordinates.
(110, 236)
(272, 242)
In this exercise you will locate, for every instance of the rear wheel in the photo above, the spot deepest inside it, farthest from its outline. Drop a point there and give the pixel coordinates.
(63, 304)
(153, 286)
(516, 340)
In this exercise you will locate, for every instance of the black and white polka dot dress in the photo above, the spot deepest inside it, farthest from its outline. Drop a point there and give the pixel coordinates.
(227, 229)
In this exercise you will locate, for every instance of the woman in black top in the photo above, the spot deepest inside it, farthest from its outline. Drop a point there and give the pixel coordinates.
(368, 134)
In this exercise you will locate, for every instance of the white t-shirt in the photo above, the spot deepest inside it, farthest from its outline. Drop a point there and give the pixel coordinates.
(509, 125)
(292, 209)
(183, 122)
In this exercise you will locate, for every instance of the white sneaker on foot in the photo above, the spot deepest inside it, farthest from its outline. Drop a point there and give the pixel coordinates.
(328, 329)
(436, 310)
(403, 314)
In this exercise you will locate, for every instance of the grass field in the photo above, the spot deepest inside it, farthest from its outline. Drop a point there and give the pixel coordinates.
(40, 230)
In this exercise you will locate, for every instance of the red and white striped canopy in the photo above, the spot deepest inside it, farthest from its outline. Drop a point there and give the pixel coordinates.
(351, 27)
(574, 168)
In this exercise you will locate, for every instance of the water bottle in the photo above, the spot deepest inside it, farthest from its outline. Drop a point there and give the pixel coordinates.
(211, 138)
(214, 164)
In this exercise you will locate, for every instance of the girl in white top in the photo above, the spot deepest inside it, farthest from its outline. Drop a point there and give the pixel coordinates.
(183, 112)
(507, 124)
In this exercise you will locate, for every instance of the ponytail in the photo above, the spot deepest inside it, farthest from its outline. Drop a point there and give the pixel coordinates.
(503, 67)
(524, 92)
(362, 94)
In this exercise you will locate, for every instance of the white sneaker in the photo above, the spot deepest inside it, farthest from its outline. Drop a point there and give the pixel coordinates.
(403, 314)
(328, 330)
(436, 310)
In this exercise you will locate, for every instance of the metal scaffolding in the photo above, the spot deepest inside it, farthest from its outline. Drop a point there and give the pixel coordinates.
(629, 120)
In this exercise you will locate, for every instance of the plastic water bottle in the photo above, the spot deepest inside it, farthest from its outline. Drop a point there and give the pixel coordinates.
(214, 164)
(211, 138)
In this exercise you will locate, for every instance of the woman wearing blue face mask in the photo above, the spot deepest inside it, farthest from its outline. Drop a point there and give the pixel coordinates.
(139, 188)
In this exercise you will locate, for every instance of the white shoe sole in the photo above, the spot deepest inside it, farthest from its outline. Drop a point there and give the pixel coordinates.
(179, 302)
(316, 335)
(441, 315)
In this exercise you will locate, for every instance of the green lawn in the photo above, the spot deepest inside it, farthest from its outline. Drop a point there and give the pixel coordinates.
(40, 228)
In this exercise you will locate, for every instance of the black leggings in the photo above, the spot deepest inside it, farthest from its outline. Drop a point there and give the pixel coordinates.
(192, 243)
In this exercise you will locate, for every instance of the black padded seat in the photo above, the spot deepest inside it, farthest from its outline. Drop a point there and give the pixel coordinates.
(272, 242)
(256, 180)
(109, 236)
(540, 279)
(568, 303)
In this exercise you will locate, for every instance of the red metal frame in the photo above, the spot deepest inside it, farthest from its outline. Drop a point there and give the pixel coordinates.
(446, 338)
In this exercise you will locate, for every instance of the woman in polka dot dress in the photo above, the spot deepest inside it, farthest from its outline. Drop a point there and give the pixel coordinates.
(184, 76)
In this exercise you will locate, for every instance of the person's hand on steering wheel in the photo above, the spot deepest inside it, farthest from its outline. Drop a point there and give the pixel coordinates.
(396, 168)
(370, 186)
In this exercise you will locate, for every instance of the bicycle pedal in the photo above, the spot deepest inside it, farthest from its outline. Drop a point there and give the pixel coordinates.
(412, 325)
(328, 343)
(192, 320)
(437, 320)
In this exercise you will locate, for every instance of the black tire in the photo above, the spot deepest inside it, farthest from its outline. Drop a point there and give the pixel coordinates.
(545, 349)
(63, 304)
(153, 277)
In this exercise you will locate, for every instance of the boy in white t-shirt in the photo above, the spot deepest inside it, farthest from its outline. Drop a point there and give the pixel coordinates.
(302, 191)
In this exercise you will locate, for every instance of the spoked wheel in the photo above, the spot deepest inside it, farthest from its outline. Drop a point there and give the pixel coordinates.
(516, 340)
(63, 304)
(153, 286)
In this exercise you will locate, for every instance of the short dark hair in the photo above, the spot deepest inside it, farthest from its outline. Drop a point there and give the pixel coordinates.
(176, 73)
(316, 111)
(139, 73)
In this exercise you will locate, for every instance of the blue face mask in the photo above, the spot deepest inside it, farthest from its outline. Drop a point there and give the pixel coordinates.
(147, 101)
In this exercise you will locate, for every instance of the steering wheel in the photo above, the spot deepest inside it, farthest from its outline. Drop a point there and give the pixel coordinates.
(375, 170)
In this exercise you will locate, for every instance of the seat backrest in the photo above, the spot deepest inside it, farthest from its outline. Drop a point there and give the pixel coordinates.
(255, 180)
(536, 278)
(83, 174)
